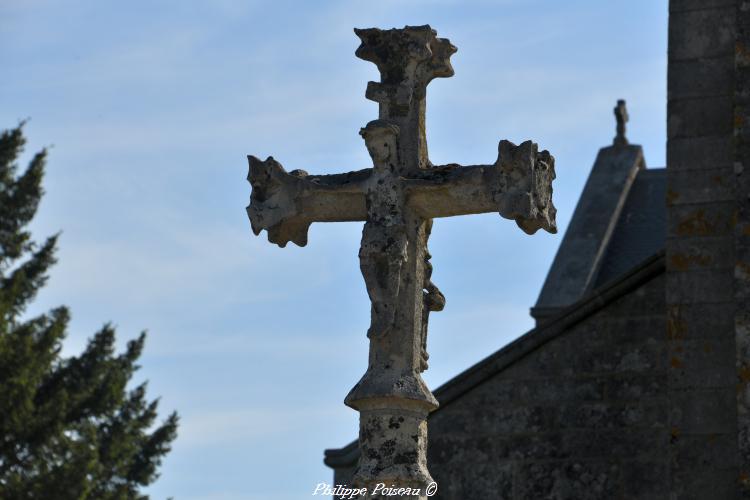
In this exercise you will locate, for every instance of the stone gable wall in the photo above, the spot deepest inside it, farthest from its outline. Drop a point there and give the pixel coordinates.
(582, 417)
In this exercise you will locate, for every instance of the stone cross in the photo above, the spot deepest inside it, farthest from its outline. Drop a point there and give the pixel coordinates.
(398, 198)
(621, 115)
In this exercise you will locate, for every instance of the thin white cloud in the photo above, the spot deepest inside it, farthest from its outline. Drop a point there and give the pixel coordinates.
(249, 426)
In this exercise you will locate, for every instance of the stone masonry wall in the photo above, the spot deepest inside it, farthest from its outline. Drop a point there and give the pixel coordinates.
(742, 239)
(702, 170)
(582, 417)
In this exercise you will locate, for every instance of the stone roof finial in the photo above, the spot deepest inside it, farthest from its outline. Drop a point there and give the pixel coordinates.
(621, 113)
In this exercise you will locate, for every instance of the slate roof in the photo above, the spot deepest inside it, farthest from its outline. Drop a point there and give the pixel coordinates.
(641, 227)
(620, 220)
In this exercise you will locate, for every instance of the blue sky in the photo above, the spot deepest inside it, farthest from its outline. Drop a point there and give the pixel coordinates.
(151, 108)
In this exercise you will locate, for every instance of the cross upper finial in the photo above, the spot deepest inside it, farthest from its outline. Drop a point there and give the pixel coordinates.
(621, 114)
(408, 59)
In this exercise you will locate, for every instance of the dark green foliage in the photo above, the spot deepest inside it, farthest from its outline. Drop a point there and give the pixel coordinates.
(69, 427)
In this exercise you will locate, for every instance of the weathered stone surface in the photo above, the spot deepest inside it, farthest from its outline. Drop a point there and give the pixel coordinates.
(644, 479)
(621, 116)
(644, 302)
(685, 5)
(696, 153)
(518, 391)
(385, 457)
(699, 363)
(636, 386)
(704, 33)
(707, 184)
(709, 483)
(742, 243)
(700, 321)
(717, 453)
(694, 220)
(459, 483)
(700, 250)
(516, 186)
(612, 415)
(700, 287)
(699, 117)
(695, 78)
(398, 198)
(544, 414)
(703, 411)
(567, 480)
(285, 204)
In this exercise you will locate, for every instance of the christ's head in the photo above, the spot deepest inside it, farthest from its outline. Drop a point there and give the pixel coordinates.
(381, 138)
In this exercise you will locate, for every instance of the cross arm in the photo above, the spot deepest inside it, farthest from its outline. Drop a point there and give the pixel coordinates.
(286, 203)
(518, 186)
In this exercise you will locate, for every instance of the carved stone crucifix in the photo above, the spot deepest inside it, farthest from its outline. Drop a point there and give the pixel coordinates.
(398, 198)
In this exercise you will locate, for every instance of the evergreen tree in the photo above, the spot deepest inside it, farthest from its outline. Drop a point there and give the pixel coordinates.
(69, 427)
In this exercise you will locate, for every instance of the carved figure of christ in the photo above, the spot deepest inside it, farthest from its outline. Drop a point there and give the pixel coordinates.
(398, 198)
